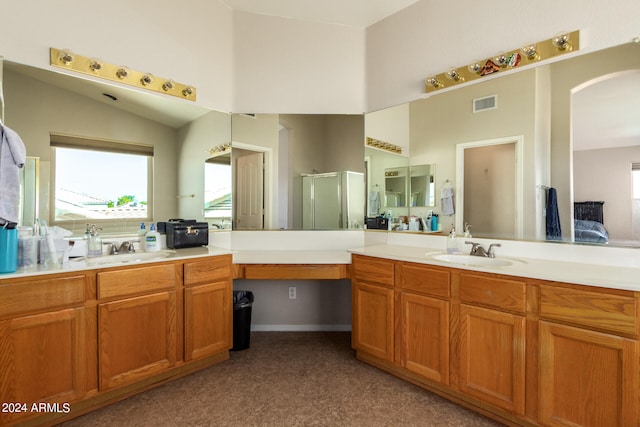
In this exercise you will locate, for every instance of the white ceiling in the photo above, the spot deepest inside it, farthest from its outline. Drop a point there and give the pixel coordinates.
(357, 13)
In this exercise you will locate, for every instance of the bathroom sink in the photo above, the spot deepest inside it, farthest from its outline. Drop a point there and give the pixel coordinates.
(128, 258)
(474, 261)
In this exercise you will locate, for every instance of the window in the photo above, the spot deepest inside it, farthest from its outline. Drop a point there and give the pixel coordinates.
(99, 180)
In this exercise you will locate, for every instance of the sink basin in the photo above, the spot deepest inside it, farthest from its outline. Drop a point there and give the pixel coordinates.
(474, 261)
(128, 258)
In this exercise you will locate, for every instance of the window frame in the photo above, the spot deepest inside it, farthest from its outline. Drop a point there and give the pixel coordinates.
(58, 140)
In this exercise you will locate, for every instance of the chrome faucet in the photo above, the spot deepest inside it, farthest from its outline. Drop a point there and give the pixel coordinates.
(478, 250)
(125, 247)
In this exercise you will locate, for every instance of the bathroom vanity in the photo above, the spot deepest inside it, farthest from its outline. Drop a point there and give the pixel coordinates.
(518, 349)
(75, 340)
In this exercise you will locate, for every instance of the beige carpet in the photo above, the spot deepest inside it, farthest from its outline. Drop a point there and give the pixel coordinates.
(287, 379)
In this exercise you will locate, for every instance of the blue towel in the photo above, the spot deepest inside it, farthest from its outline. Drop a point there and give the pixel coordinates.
(553, 218)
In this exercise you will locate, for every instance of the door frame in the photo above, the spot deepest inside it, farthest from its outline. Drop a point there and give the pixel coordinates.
(270, 194)
(459, 199)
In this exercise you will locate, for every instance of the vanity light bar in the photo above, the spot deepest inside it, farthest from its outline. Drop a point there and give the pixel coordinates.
(98, 68)
(528, 54)
(382, 145)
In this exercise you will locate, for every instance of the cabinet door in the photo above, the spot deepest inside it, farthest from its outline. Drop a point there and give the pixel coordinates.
(587, 378)
(372, 320)
(137, 338)
(208, 319)
(42, 359)
(492, 357)
(425, 336)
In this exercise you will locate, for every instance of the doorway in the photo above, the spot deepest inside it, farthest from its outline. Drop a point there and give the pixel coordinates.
(248, 199)
(489, 179)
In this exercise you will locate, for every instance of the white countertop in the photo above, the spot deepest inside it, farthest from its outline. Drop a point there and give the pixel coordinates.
(626, 278)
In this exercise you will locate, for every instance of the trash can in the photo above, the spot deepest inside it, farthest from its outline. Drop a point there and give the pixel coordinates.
(242, 303)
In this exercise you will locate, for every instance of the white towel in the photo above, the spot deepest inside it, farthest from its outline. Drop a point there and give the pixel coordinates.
(374, 202)
(446, 197)
(13, 155)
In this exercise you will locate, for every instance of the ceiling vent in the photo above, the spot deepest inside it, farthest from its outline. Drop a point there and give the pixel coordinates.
(484, 104)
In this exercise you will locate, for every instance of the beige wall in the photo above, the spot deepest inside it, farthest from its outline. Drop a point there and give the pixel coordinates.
(441, 122)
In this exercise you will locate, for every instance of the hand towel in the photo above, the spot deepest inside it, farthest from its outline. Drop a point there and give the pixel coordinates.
(12, 157)
(446, 197)
(553, 217)
(374, 203)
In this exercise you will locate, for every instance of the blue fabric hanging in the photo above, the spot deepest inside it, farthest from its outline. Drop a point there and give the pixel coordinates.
(553, 218)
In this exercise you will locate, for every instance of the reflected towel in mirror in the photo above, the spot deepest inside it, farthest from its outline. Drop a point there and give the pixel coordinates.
(12, 157)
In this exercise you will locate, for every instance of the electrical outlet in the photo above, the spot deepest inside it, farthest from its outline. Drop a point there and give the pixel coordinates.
(292, 292)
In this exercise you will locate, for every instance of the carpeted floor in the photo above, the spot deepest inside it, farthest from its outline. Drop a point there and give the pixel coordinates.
(287, 379)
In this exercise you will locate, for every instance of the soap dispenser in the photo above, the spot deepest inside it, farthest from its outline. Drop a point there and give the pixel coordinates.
(94, 244)
(142, 236)
(453, 245)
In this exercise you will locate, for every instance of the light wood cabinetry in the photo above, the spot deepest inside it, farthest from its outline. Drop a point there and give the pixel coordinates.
(589, 357)
(522, 351)
(373, 307)
(423, 339)
(489, 339)
(42, 343)
(208, 307)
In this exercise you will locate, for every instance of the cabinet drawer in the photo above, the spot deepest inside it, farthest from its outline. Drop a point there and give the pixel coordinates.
(598, 310)
(41, 294)
(374, 270)
(135, 280)
(210, 270)
(502, 294)
(425, 280)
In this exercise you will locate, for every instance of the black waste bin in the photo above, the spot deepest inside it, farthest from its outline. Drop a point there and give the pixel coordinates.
(242, 303)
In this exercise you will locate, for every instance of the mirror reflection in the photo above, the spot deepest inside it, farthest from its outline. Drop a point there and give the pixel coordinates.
(217, 191)
(573, 117)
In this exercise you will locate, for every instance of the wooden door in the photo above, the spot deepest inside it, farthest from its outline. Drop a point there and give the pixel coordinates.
(208, 319)
(492, 357)
(372, 320)
(249, 201)
(42, 359)
(425, 336)
(137, 338)
(587, 378)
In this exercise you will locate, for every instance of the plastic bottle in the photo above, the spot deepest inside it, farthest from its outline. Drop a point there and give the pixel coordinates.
(452, 242)
(152, 240)
(142, 236)
(434, 222)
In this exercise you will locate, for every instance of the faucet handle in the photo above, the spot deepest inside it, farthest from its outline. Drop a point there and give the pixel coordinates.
(474, 247)
(490, 252)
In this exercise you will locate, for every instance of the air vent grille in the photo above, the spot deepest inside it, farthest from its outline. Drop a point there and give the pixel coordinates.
(486, 103)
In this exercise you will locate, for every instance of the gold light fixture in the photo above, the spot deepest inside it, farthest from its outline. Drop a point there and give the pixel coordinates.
(95, 67)
(383, 145)
(220, 149)
(528, 54)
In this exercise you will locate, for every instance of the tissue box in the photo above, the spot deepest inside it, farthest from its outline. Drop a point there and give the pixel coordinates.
(187, 234)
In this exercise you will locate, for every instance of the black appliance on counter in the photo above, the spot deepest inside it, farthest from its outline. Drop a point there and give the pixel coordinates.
(185, 233)
(377, 223)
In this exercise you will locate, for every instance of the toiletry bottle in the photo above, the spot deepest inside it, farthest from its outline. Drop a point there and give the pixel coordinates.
(94, 245)
(452, 242)
(152, 239)
(467, 231)
(434, 222)
(142, 234)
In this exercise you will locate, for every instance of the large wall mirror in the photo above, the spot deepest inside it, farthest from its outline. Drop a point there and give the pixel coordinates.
(576, 134)
(182, 134)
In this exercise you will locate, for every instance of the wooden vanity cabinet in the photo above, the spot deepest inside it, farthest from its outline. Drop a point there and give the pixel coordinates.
(137, 329)
(208, 307)
(42, 343)
(589, 356)
(422, 298)
(373, 306)
(489, 339)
